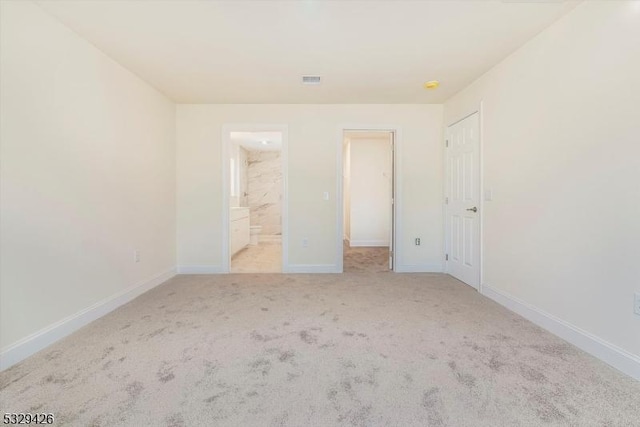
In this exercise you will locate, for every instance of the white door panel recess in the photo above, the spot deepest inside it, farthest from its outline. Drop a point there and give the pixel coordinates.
(463, 200)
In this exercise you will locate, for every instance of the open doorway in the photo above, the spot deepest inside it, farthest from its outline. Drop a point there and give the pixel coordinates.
(255, 200)
(368, 194)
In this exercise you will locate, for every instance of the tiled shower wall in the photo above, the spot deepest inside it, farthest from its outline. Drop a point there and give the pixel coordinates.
(243, 164)
(265, 190)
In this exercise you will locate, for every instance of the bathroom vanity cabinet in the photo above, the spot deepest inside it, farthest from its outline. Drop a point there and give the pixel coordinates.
(239, 234)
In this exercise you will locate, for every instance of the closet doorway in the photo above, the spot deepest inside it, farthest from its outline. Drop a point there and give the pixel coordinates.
(368, 194)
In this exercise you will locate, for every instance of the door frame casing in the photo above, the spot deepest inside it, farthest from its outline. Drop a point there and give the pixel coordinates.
(226, 221)
(396, 190)
(481, 204)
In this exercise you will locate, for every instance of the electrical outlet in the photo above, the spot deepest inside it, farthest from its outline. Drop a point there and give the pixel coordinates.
(305, 243)
(636, 306)
(136, 256)
(417, 241)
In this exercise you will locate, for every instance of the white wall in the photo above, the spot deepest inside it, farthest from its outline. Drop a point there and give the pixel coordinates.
(87, 176)
(315, 138)
(561, 126)
(370, 192)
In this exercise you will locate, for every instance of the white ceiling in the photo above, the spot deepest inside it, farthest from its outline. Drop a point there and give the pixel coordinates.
(253, 141)
(199, 51)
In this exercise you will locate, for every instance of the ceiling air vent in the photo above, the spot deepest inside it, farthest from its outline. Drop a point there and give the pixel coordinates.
(311, 80)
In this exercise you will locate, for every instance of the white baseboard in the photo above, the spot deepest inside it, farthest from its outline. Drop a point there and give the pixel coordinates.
(311, 268)
(37, 341)
(368, 243)
(418, 268)
(603, 350)
(200, 269)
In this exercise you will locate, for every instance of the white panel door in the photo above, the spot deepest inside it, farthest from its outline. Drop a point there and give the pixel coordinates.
(463, 200)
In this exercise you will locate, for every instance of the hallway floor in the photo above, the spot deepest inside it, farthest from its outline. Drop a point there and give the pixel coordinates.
(264, 258)
(365, 259)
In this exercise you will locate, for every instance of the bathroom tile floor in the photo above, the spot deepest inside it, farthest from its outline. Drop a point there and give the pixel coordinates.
(264, 258)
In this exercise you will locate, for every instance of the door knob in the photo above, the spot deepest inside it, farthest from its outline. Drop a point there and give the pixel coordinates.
(473, 209)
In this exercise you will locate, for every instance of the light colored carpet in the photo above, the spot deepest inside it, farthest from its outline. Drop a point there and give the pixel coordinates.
(365, 259)
(355, 349)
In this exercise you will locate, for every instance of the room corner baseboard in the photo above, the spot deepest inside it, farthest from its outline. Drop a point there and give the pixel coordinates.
(200, 269)
(368, 243)
(597, 347)
(37, 341)
(418, 268)
(311, 268)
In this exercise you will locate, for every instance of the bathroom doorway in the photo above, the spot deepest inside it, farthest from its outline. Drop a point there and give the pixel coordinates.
(368, 194)
(255, 196)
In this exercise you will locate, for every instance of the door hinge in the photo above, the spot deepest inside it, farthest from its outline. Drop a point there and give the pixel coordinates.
(447, 143)
(446, 200)
(392, 201)
(446, 257)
